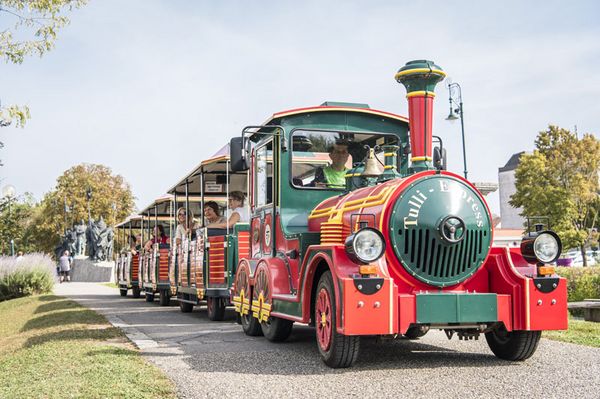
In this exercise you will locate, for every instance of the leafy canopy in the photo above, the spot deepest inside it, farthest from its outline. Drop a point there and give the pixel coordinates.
(34, 29)
(15, 217)
(111, 199)
(560, 180)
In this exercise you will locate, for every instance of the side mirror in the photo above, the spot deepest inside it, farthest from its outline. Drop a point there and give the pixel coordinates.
(237, 155)
(439, 158)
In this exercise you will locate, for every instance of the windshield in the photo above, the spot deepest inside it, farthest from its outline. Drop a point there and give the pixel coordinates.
(320, 159)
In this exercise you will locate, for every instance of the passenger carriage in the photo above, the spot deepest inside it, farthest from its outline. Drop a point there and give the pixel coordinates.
(156, 277)
(128, 264)
(207, 257)
(401, 246)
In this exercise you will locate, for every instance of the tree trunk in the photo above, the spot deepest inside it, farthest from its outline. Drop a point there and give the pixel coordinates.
(583, 256)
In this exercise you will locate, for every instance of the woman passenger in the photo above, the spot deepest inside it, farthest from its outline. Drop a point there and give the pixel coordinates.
(212, 215)
(159, 237)
(185, 226)
(237, 212)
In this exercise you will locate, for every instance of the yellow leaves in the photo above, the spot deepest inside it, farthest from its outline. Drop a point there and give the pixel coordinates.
(111, 199)
(41, 17)
(560, 180)
(14, 113)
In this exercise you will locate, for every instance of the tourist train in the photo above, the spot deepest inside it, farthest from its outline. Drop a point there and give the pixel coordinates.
(354, 227)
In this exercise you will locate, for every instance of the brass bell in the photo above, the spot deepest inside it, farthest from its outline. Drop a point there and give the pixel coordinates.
(371, 165)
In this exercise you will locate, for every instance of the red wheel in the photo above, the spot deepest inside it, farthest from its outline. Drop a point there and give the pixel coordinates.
(337, 350)
(242, 293)
(323, 319)
(261, 295)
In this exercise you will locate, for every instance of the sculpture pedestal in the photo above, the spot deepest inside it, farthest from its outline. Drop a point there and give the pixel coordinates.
(85, 270)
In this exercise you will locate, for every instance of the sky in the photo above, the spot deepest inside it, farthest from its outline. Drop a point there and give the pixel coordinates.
(151, 88)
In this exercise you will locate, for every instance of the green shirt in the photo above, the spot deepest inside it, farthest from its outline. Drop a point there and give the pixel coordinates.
(335, 178)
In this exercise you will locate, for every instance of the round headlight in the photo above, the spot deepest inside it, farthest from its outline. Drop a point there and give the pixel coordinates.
(546, 247)
(366, 245)
(543, 247)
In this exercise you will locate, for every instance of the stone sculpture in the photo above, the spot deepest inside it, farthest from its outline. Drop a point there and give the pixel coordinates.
(80, 241)
(99, 240)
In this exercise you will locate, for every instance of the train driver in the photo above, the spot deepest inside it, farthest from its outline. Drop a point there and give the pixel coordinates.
(333, 175)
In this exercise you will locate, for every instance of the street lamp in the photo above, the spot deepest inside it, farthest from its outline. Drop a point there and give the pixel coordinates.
(456, 112)
(88, 195)
(9, 192)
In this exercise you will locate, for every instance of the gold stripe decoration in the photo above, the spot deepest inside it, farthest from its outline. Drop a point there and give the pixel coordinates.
(389, 167)
(420, 70)
(414, 159)
(260, 309)
(353, 175)
(332, 232)
(420, 93)
(373, 200)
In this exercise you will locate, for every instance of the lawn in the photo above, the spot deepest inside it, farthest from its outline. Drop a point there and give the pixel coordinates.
(579, 332)
(51, 347)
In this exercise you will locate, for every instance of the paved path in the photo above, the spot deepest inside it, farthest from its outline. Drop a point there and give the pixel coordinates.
(215, 359)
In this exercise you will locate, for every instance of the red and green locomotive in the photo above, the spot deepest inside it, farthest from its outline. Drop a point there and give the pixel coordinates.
(357, 229)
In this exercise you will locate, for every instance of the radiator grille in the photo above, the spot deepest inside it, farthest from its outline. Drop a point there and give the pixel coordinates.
(435, 262)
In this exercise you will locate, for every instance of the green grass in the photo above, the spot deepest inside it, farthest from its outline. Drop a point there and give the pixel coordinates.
(51, 347)
(579, 332)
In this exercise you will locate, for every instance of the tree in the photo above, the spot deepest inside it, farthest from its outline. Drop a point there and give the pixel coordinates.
(560, 180)
(111, 199)
(15, 215)
(38, 23)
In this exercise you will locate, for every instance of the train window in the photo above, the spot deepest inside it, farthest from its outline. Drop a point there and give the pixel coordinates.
(263, 176)
(321, 159)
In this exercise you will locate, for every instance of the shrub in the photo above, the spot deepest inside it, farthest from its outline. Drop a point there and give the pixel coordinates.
(33, 274)
(582, 282)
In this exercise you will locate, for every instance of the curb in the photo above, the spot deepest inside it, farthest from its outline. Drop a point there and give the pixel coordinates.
(138, 338)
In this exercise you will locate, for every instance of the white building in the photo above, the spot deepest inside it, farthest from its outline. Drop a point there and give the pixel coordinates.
(510, 217)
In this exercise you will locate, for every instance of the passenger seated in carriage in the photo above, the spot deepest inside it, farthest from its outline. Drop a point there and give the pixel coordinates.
(186, 226)
(237, 212)
(159, 237)
(212, 214)
(134, 244)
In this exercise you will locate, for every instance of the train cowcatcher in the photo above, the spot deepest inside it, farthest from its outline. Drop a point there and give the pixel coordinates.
(394, 249)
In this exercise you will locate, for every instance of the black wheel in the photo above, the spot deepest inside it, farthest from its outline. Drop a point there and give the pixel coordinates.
(165, 298)
(515, 345)
(135, 292)
(216, 308)
(123, 292)
(238, 319)
(276, 329)
(416, 332)
(250, 325)
(185, 307)
(149, 297)
(337, 350)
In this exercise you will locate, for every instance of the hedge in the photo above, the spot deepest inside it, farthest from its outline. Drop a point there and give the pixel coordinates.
(582, 282)
(32, 274)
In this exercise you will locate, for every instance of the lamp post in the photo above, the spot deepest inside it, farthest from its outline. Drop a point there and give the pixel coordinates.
(8, 192)
(456, 112)
(88, 195)
(66, 211)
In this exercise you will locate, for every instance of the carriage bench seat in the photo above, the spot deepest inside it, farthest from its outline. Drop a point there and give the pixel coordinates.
(591, 309)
